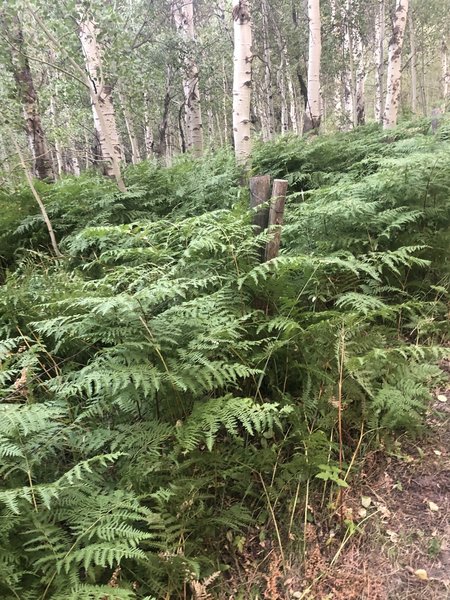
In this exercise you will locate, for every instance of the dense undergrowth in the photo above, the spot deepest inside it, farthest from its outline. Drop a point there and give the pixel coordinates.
(164, 393)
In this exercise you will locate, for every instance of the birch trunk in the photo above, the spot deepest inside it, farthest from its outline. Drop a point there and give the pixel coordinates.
(312, 118)
(349, 73)
(338, 95)
(58, 153)
(380, 32)
(75, 163)
(183, 11)
(135, 153)
(293, 110)
(42, 161)
(360, 98)
(281, 82)
(242, 80)
(148, 132)
(285, 76)
(102, 102)
(413, 64)
(268, 92)
(394, 65)
(161, 148)
(445, 73)
(226, 93)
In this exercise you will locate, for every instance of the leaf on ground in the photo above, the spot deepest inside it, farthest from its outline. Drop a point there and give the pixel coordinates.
(366, 501)
(432, 506)
(421, 574)
(393, 536)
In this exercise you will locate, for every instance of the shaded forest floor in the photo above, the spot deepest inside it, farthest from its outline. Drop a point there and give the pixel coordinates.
(397, 542)
(402, 552)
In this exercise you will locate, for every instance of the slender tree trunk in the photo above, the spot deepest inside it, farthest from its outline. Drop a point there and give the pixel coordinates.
(58, 152)
(293, 110)
(394, 65)
(423, 87)
(219, 130)
(242, 80)
(38, 199)
(445, 73)
(413, 63)
(183, 11)
(226, 93)
(148, 132)
(102, 102)
(380, 32)
(313, 116)
(281, 83)
(360, 98)
(338, 95)
(287, 89)
(162, 148)
(75, 163)
(268, 91)
(349, 77)
(42, 161)
(135, 153)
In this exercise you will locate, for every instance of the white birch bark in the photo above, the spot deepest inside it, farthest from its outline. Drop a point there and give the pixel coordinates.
(102, 102)
(242, 80)
(281, 83)
(445, 73)
(183, 11)
(338, 103)
(348, 76)
(75, 164)
(293, 110)
(148, 131)
(314, 55)
(135, 153)
(394, 65)
(226, 133)
(267, 92)
(413, 62)
(360, 98)
(380, 32)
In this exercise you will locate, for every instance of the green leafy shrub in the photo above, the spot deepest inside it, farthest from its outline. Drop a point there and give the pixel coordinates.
(163, 390)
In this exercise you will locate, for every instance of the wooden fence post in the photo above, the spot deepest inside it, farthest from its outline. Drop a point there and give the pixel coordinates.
(259, 200)
(276, 214)
(260, 194)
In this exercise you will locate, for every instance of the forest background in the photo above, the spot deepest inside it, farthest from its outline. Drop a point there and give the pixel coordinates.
(179, 416)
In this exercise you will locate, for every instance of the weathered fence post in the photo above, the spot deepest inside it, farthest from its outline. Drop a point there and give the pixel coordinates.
(259, 200)
(276, 214)
(260, 194)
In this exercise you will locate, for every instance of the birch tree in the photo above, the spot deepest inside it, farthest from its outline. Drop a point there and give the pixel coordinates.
(380, 32)
(242, 80)
(37, 142)
(134, 145)
(184, 18)
(394, 65)
(101, 100)
(413, 60)
(445, 72)
(313, 114)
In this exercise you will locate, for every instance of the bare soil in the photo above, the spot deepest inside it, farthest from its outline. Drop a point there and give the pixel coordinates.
(394, 543)
(401, 547)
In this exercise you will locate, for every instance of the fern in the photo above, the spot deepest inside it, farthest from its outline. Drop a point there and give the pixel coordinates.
(160, 384)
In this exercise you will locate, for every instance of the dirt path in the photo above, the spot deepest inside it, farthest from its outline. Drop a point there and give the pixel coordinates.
(403, 504)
